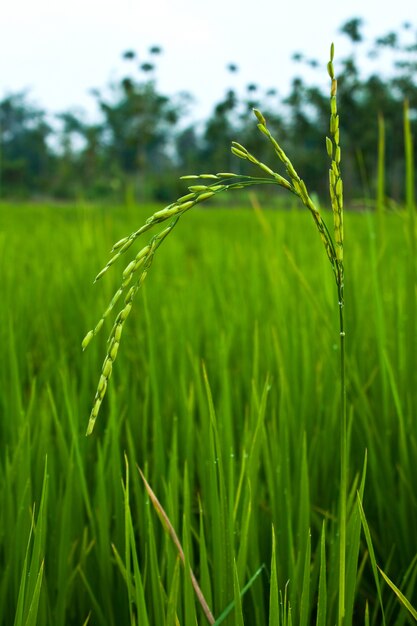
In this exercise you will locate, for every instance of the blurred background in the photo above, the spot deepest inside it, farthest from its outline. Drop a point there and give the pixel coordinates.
(99, 101)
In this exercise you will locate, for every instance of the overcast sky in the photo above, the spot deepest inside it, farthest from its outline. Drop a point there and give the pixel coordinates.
(60, 49)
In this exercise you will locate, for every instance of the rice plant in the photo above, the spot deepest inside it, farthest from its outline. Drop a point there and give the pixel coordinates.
(210, 185)
(227, 395)
(136, 271)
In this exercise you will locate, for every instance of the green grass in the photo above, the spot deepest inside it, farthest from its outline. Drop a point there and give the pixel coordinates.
(250, 447)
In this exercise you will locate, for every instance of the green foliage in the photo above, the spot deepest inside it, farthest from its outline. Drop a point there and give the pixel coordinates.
(230, 291)
(228, 464)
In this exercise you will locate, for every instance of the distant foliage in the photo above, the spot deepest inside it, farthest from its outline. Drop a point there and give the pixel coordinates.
(24, 152)
(143, 139)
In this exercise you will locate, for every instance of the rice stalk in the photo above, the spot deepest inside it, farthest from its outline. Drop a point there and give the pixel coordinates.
(336, 196)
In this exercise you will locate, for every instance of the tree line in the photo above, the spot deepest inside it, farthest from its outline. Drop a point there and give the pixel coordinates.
(141, 142)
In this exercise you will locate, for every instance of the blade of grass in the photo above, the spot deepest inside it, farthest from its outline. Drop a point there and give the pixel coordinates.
(244, 589)
(353, 545)
(205, 582)
(32, 614)
(93, 598)
(405, 603)
(366, 614)
(171, 531)
(371, 555)
(322, 593)
(274, 612)
(22, 589)
(32, 575)
(190, 582)
(305, 594)
(128, 546)
(237, 599)
(171, 618)
(87, 619)
(219, 507)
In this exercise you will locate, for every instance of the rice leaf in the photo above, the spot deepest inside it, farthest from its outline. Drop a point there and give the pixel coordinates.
(274, 612)
(371, 555)
(405, 603)
(322, 593)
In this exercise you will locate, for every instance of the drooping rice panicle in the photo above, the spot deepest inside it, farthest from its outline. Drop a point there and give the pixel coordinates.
(335, 177)
(136, 270)
(141, 268)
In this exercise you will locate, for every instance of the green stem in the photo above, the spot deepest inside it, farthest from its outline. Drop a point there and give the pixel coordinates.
(343, 457)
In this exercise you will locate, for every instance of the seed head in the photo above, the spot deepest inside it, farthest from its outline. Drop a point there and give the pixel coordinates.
(259, 117)
(119, 243)
(205, 196)
(87, 339)
(198, 188)
(263, 129)
(124, 313)
(114, 347)
(188, 196)
(98, 326)
(329, 147)
(118, 332)
(165, 213)
(239, 153)
(128, 269)
(107, 367)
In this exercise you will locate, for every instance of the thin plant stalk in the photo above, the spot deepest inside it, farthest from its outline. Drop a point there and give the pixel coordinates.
(412, 237)
(380, 191)
(343, 463)
(336, 196)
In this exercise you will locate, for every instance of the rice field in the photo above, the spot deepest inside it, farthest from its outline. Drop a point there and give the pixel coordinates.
(226, 396)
